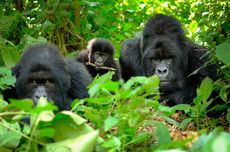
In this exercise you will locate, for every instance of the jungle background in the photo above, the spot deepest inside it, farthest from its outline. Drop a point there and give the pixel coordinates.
(117, 116)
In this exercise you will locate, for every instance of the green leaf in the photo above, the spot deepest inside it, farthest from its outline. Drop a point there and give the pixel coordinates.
(206, 89)
(185, 122)
(193, 26)
(223, 52)
(9, 138)
(46, 116)
(197, 100)
(10, 55)
(83, 143)
(140, 138)
(77, 126)
(217, 141)
(110, 122)
(25, 104)
(228, 115)
(113, 142)
(46, 132)
(183, 107)
(162, 133)
(76, 118)
(111, 86)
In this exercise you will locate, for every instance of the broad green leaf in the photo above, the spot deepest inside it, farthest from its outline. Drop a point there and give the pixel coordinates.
(72, 124)
(46, 132)
(76, 118)
(206, 88)
(217, 141)
(10, 55)
(46, 116)
(9, 138)
(162, 133)
(25, 104)
(223, 52)
(83, 143)
(197, 100)
(111, 86)
(110, 122)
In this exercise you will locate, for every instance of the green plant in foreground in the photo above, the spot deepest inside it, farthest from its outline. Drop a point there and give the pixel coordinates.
(47, 131)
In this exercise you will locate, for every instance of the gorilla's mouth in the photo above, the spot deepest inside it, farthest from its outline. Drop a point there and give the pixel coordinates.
(164, 82)
(99, 64)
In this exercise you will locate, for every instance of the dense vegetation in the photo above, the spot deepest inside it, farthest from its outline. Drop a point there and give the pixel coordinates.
(117, 116)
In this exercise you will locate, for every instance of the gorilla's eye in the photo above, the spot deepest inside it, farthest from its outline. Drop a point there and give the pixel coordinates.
(105, 56)
(97, 54)
(49, 83)
(33, 81)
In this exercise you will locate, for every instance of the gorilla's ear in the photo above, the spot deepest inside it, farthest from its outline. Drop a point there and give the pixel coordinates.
(16, 71)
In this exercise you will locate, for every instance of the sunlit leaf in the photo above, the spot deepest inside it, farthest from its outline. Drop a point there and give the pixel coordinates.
(162, 133)
(9, 138)
(206, 88)
(110, 122)
(223, 52)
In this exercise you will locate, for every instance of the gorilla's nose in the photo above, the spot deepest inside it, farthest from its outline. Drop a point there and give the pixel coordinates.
(39, 92)
(162, 71)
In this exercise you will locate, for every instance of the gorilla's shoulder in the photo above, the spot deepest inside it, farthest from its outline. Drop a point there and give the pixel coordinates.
(79, 72)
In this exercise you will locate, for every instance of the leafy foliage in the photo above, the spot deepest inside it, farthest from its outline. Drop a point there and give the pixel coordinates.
(118, 116)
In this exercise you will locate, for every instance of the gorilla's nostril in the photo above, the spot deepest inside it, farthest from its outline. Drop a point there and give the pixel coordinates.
(158, 71)
(165, 71)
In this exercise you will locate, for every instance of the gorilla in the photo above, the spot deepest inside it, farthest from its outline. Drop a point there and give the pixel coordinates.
(164, 50)
(43, 72)
(98, 58)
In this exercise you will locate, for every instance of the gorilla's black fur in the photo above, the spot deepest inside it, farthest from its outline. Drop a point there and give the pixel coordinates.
(164, 50)
(43, 72)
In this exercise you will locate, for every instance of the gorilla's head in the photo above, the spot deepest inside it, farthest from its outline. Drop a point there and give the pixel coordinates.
(42, 72)
(101, 52)
(163, 51)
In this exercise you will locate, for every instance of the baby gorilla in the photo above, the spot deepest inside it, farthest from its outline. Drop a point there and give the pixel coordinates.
(98, 58)
(43, 72)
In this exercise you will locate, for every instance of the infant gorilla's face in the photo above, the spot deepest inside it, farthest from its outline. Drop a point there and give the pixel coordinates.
(100, 58)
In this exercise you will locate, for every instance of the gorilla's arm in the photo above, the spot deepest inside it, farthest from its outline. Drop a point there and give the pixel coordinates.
(83, 57)
(130, 60)
(198, 57)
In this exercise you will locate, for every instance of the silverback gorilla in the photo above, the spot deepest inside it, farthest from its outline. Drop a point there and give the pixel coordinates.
(98, 58)
(164, 50)
(43, 72)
